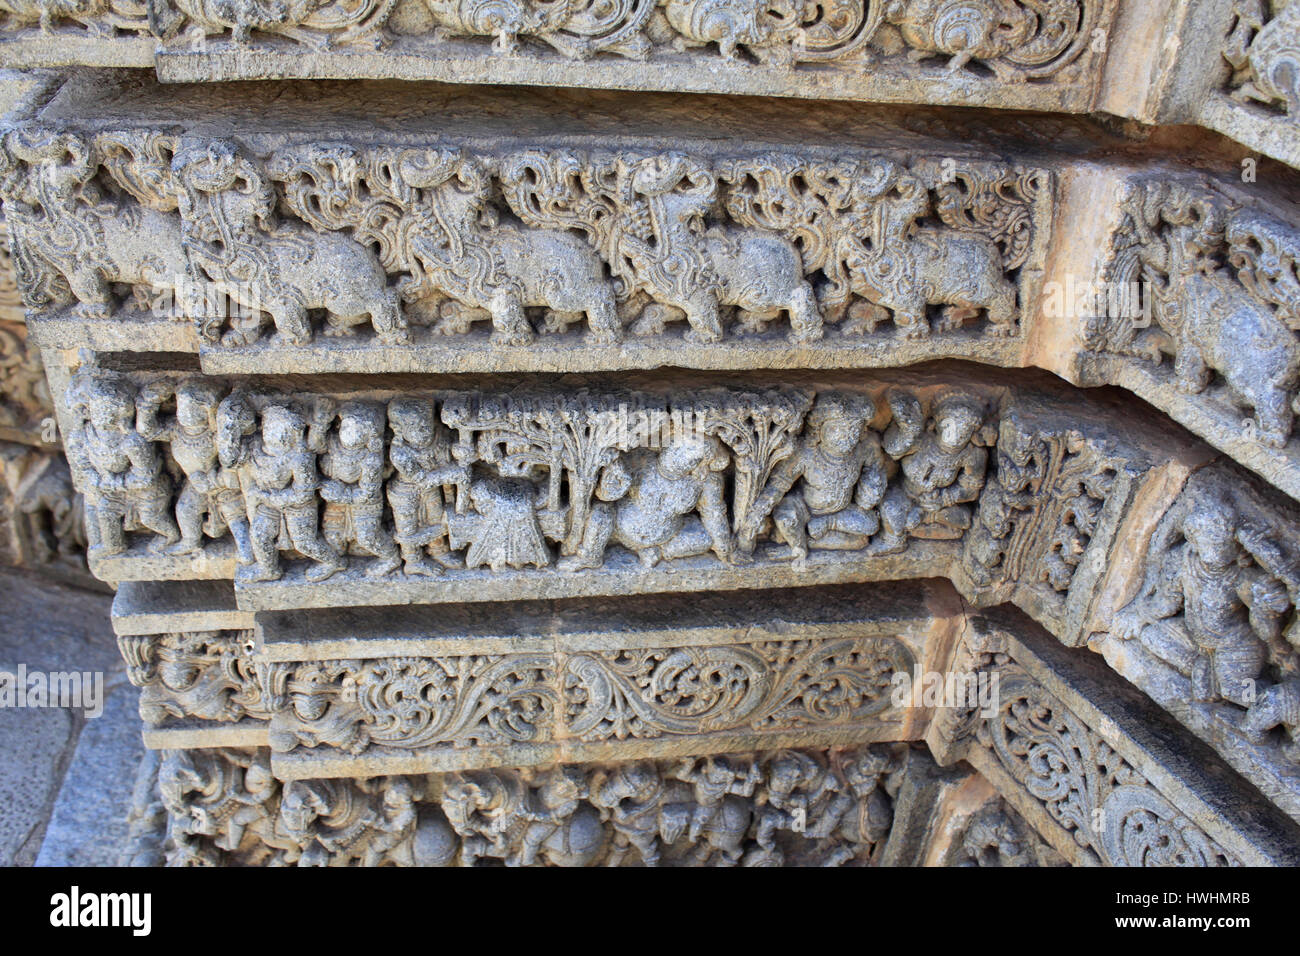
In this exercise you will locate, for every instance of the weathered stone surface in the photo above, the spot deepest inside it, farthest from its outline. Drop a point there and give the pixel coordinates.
(88, 825)
(502, 475)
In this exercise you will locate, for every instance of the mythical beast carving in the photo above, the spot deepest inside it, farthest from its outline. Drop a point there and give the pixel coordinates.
(680, 264)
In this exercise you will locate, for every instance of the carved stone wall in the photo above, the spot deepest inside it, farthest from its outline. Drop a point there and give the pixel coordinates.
(619, 450)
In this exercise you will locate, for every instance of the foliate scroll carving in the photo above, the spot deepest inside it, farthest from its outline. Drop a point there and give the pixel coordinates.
(1018, 41)
(1225, 302)
(830, 807)
(416, 702)
(540, 698)
(103, 20)
(1263, 50)
(208, 675)
(1105, 804)
(771, 686)
(372, 240)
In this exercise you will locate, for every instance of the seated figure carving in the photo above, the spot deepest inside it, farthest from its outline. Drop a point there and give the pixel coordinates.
(661, 507)
(839, 476)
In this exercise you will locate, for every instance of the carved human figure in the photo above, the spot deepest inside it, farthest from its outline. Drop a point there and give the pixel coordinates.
(857, 819)
(650, 504)
(824, 495)
(352, 469)
(942, 470)
(639, 804)
(281, 495)
(119, 469)
(487, 808)
(1278, 706)
(552, 805)
(212, 796)
(211, 499)
(1232, 611)
(423, 467)
(718, 816)
(1020, 468)
(333, 825)
(795, 783)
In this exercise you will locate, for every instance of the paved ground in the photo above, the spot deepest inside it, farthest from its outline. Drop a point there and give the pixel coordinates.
(65, 779)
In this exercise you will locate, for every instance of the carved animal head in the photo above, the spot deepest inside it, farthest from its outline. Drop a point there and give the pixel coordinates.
(38, 165)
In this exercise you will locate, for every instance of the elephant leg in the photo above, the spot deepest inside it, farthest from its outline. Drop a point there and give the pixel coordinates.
(1189, 365)
(91, 290)
(805, 318)
(1002, 312)
(509, 324)
(913, 322)
(1275, 417)
(706, 324)
(602, 319)
(291, 323)
(388, 320)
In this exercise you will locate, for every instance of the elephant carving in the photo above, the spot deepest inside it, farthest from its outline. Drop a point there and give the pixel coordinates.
(70, 243)
(909, 267)
(679, 264)
(465, 252)
(233, 236)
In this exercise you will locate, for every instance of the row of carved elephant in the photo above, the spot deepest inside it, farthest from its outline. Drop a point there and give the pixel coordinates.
(196, 229)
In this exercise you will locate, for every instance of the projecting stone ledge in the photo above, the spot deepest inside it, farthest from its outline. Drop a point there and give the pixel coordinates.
(624, 699)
